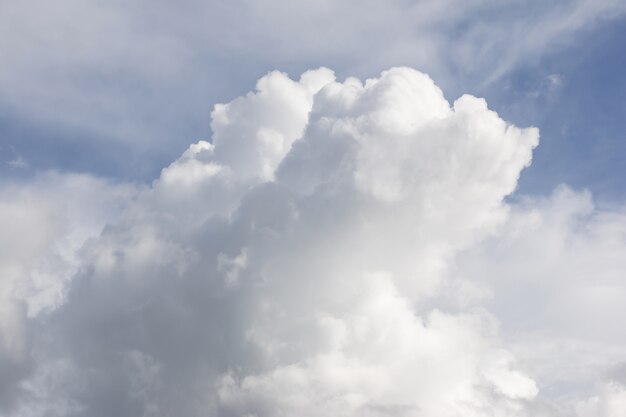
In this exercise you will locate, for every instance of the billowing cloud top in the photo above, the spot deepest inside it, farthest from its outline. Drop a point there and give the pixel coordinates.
(302, 263)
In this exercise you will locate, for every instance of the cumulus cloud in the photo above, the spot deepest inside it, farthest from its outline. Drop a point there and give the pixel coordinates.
(339, 248)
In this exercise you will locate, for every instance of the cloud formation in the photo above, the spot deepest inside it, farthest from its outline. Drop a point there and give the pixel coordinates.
(334, 250)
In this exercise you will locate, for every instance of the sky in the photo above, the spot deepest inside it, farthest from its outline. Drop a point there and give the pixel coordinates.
(330, 208)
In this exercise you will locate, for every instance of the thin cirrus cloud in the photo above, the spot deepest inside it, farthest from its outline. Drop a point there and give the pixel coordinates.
(339, 248)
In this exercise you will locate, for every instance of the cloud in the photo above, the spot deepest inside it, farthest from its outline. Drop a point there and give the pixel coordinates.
(555, 272)
(44, 223)
(290, 254)
(610, 402)
(339, 248)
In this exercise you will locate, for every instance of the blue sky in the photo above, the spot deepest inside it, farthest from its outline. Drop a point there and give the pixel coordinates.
(582, 120)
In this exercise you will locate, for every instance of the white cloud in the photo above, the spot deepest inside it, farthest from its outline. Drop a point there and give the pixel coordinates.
(218, 278)
(340, 248)
(610, 402)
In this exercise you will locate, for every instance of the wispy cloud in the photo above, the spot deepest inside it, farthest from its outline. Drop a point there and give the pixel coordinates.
(17, 161)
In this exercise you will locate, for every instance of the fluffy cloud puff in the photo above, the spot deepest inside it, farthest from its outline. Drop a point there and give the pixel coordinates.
(303, 263)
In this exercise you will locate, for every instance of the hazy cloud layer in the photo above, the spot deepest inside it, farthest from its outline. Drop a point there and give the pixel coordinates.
(338, 249)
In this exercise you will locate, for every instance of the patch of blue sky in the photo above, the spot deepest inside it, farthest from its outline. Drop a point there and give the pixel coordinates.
(577, 97)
